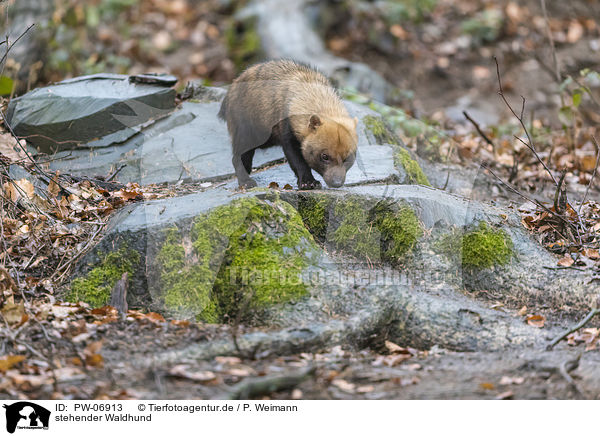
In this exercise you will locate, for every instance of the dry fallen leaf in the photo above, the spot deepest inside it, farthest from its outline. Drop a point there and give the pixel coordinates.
(344, 385)
(536, 320)
(154, 317)
(182, 371)
(180, 322)
(53, 188)
(566, 261)
(399, 32)
(95, 360)
(19, 189)
(92, 358)
(365, 389)
(243, 371)
(394, 348)
(575, 32)
(105, 314)
(7, 362)
(64, 310)
(13, 313)
(7, 285)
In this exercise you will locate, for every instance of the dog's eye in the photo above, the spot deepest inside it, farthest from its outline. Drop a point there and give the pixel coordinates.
(325, 157)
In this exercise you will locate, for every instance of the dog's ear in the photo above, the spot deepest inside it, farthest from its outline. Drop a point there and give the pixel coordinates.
(314, 122)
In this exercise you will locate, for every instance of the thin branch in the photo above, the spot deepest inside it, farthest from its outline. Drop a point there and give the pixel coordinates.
(537, 156)
(573, 329)
(113, 175)
(64, 266)
(587, 190)
(10, 46)
(530, 144)
(557, 196)
(525, 197)
(24, 150)
(551, 40)
(478, 128)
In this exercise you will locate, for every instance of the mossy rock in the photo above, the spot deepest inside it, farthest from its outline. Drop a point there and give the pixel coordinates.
(374, 230)
(314, 210)
(239, 259)
(402, 158)
(95, 287)
(480, 248)
(382, 133)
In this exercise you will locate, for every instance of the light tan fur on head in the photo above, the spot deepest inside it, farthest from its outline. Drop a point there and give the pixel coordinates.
(329, 147)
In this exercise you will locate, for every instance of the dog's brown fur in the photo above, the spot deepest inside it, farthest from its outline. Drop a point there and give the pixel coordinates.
(292, 105)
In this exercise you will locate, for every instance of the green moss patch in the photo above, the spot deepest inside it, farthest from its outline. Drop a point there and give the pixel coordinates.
(482, 247)
(380, 131)
(314, 210)
(402, 158)
(241, 258)
(376, 232)
(95, 288)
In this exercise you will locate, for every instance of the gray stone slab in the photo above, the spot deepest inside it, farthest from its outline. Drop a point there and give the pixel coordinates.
(95, 111)
(374, 163)
(192, 144)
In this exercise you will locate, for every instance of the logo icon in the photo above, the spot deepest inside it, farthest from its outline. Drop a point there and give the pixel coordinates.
(26, 415)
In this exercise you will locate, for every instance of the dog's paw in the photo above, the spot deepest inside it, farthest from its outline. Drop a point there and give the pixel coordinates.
(310, 184)
(248, 184)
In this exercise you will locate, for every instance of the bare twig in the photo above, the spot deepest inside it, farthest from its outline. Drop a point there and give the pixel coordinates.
(33, 161)
(551, 40)
(478, 128)
(573, 329)
(520, 194)
(257, 387)
(64, 266)
(112, 176)
(558, 198)
(587, 190)
(529, 144)
(10, 46)
(447, 180)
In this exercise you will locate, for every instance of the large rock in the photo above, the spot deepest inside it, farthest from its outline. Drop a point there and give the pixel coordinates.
(95, 111)
(146, 239)
(192, 144)
(377, 256)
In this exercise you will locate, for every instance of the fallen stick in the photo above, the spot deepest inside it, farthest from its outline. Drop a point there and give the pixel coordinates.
(258, 387)
(573, 329)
